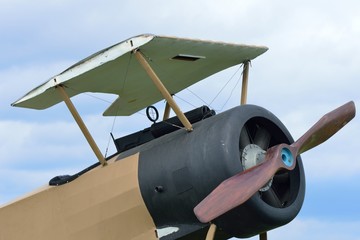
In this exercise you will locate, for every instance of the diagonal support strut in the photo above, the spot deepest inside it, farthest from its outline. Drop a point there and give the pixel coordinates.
(160, 86)
(81, 124)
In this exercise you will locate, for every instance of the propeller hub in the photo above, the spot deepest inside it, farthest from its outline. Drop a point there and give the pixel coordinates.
(287, 157)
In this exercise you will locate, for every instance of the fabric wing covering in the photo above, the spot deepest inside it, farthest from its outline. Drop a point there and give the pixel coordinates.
(178, 62)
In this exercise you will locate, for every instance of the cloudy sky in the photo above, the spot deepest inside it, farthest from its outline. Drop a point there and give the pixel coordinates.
(312, 67)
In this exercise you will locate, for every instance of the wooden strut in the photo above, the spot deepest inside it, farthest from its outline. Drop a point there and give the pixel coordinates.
(263, 236)
(245, 83)
(166, 112)
(244, 88)
(160, 86)
(81, 125)
(211, 232)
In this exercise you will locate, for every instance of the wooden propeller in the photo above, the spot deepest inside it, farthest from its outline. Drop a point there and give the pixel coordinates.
(239, 188)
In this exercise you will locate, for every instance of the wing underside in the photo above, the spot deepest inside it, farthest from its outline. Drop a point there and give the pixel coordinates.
(178, 62)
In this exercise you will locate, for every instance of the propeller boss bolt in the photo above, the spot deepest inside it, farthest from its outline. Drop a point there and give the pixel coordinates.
(287, 157)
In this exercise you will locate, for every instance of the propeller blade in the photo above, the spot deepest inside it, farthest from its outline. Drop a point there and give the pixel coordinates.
(326, 127)
(239, 188)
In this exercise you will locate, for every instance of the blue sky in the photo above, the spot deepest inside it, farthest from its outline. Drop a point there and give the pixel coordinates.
(312, 67)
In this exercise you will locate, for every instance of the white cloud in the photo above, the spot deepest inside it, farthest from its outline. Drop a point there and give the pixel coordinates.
(37, 139)
(315, 229)
(312, 66)
(19, 78)
(18, 182)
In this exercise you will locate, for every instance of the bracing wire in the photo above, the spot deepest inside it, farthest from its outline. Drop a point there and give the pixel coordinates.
(115, 117)
(193, 93)
(110, 137)
(217, 95)
(161, 70)
(182, 99)
(207, 104)
(107, 101)
(237, 83)
(231, 93)
(88, 94)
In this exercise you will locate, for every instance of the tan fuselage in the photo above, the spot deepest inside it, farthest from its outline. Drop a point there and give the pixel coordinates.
(104, 203)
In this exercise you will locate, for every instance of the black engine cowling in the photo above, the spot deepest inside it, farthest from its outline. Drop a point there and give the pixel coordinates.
(178, 170)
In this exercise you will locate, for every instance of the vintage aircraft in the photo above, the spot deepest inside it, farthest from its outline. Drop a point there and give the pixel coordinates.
(196, 175)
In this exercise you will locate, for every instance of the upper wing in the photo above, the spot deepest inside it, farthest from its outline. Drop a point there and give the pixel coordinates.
(178, 62)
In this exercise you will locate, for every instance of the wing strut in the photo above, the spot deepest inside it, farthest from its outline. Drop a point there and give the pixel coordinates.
(166, 112)
(81, 124)
(245, 82)
(211, 232)
(263, 236)
(160, 86)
